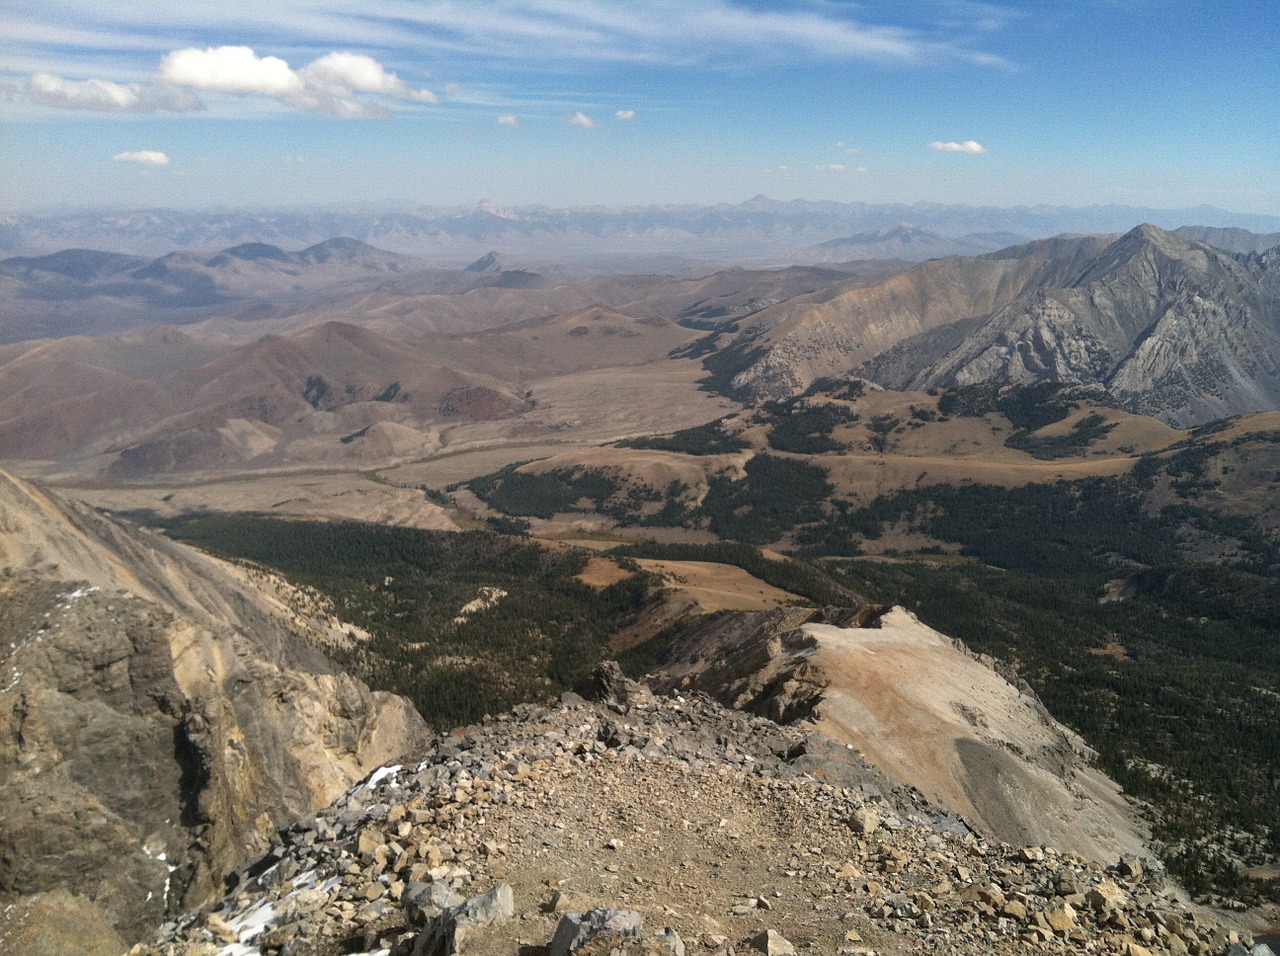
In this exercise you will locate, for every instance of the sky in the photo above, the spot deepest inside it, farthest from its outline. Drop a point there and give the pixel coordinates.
(135, 103)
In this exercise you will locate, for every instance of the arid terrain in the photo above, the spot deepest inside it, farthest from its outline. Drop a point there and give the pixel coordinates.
(727, 478)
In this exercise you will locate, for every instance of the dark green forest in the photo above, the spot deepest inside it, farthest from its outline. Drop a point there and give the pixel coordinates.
(406, 587)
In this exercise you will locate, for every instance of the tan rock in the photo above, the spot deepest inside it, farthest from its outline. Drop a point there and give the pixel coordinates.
(1060, 916)
(772, 943)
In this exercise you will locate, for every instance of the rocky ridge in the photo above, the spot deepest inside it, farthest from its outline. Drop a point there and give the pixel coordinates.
(1174, 328)
(634, 823)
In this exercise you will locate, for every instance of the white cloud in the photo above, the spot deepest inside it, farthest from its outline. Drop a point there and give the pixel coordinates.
(831, 167)
(355, 72)
(228, 69)
(581, 119)
(968, 146)
(625, 114)
(104, 96)
(508, 119)
(143, 157)
(329, 84)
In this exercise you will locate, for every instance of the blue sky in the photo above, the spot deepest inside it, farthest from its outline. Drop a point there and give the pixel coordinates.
(1164, 103)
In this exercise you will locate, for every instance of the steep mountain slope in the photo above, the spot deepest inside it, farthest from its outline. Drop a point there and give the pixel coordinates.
(923, 710)
(161, 715)
(785, 348)
(1172, 327)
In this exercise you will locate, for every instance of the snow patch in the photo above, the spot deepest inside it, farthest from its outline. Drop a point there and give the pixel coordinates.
(382, 773)
(247, 926)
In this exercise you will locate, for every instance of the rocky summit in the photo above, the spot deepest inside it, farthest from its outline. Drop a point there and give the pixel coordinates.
(624, 822)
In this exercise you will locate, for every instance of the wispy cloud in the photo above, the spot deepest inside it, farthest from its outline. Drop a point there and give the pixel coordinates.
(143, 157)
(581, 119)
(831, 167)
(516, 31)
(508, 119)
(105, 96)
(968, 146)
(135, 56)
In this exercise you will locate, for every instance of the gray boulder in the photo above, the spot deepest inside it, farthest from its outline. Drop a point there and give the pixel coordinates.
(448, 932)
(576, 929)
(423, 902)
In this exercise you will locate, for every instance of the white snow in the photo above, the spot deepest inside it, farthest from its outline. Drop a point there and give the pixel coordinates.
(382, 773)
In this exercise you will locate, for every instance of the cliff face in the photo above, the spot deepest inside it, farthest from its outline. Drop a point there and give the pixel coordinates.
(162, 715)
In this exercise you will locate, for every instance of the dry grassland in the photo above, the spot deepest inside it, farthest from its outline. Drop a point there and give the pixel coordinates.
(717, 587)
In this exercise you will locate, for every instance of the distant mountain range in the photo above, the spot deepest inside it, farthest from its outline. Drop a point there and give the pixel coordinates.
(85, 291)
(760, 229)
(1231, 240)
(342, 352)
(906, 242)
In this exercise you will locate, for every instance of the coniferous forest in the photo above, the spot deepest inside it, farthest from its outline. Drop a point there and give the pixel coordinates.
(410, 589)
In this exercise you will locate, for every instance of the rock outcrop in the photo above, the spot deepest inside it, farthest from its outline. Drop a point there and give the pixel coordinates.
(162, 714)
(1172, 327)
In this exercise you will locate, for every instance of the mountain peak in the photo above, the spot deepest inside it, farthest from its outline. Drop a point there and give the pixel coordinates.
(726, 824)
(253, 251)
(1170, 242)
(486, 263)
(340, 247)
